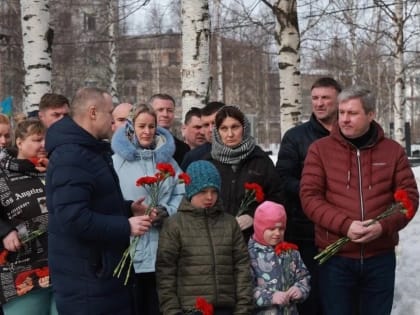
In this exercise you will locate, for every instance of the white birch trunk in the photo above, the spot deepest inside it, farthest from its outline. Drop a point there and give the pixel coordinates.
(36, 33)
(113, 89)
(195, 53)
(288, 42)
(352, 19)
(219, 54)
(399, 83)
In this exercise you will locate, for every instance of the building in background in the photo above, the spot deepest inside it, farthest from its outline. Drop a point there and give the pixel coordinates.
(152, 63)
(146, 65)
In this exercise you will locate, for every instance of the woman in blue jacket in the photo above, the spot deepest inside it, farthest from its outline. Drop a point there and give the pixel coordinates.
(138, 148)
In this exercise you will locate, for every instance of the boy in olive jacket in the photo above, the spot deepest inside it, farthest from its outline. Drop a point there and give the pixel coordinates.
(201, 252)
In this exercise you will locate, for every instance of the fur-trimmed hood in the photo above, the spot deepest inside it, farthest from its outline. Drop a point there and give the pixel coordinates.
(130, 150)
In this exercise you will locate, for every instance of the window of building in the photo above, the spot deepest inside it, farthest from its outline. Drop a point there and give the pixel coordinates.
(89, 22)
(173, 59)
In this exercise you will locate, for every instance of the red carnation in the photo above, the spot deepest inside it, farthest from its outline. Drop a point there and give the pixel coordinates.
(146, 180)
(253, 192)
(3, 257)
(401, 196)
(284, 247)
(202, 305)
(184, 178)
(166, 168)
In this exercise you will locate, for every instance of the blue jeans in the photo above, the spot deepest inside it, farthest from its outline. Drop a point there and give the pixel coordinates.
(352, 286)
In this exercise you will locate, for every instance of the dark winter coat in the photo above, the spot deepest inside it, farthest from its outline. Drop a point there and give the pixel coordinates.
(341, 183)
(195, 154)
(201, 253)
(181, 148)
(293, 149)
(88, 226)
(256, 168)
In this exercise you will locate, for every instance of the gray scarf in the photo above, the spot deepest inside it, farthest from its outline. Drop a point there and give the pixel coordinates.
(224, 154)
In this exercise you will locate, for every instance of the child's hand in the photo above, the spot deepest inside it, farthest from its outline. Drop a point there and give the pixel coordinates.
(280, 298)
(294, 293)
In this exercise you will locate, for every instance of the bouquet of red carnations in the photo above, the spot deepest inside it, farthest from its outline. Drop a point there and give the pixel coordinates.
(153, 186)
(402, 205)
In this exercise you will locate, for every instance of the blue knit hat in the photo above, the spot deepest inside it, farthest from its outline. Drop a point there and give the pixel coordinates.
(203, 175)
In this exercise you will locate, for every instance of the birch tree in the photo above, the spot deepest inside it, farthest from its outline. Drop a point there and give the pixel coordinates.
(396, 13)
(288, 44)
(37, 44)
(219, 49)
(195, 71)
(112, 69)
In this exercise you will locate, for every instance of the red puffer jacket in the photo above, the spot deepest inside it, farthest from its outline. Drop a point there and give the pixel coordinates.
(341, 183)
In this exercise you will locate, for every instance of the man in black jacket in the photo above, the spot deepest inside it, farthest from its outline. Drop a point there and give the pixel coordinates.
(293, 150)
(208, 114)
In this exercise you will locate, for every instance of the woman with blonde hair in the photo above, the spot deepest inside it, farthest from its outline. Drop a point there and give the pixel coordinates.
(139, 146)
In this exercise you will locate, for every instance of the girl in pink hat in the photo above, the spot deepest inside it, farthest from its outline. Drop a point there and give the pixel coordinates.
(280, 277)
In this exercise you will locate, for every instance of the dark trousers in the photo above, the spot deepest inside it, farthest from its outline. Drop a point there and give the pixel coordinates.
(369, 281)
(145, 294)
(312, 305)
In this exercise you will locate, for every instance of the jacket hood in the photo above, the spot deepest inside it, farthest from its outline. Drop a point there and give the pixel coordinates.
(131, 150)
(66, 131)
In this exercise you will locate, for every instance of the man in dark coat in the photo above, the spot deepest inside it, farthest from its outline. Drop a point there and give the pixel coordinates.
(89, 222)
(208, 114)
(293, 149)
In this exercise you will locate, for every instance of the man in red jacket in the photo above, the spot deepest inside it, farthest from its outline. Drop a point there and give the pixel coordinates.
(348, 179)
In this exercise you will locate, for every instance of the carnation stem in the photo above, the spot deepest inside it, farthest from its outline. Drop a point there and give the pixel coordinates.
(126, 254)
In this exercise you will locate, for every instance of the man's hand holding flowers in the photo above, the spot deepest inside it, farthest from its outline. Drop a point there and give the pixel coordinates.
(139, 225)
(368, 230)
(364, 231)
(138, 207)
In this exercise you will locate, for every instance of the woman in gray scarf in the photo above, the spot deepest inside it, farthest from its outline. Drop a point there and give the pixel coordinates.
(239, 161)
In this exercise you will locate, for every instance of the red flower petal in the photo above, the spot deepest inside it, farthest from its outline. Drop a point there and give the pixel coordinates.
(401, 196)
(146, 180)
(184, 178)
(166, 168)
(284, 247)
(202, 305)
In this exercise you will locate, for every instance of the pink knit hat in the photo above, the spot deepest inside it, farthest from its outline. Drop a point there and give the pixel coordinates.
(267, 215)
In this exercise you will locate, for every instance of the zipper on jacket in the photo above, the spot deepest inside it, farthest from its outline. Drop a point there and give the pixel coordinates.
(212, 257)
(362, 206)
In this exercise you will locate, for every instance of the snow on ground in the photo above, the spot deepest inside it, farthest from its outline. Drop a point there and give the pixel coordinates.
(407, 284)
